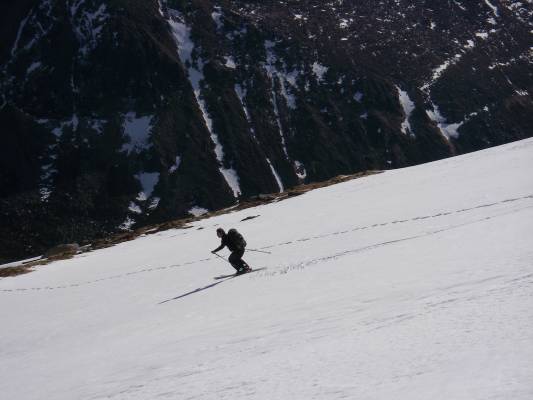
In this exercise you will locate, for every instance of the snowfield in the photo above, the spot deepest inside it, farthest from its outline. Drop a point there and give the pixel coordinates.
(412, 284)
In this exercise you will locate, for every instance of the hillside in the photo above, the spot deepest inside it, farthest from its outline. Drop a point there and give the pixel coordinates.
(411, 284)
(116, 114)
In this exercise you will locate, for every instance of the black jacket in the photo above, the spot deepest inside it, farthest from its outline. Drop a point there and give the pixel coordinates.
(227, 242)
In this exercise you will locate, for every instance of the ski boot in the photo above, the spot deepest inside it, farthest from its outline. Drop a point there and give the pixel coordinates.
(243, 270)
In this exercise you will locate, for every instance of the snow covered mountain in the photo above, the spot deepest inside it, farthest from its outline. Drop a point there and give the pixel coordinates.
(120, 113)
(411, 284)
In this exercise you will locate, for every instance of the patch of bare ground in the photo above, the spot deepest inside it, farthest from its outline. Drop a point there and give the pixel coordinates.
(14, 271)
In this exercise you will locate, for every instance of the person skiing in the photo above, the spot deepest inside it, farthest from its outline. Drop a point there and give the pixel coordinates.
(234, 241)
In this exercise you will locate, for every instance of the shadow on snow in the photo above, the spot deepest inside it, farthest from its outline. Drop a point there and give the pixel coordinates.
(198, 290)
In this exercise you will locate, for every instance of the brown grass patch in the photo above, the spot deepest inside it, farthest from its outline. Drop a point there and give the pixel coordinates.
(14, 271)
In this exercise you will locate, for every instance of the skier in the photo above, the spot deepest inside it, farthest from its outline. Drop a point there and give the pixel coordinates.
(236, 244)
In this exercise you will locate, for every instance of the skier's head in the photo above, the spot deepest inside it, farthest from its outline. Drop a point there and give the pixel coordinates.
(220, 232)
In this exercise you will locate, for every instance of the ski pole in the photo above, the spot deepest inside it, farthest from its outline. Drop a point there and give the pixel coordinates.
(219, 256)
(259, 251)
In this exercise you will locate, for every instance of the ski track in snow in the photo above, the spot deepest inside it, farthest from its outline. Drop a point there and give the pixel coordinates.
(305, 239)
(413, 284)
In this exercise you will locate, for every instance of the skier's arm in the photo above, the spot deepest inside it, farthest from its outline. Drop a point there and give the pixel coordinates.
(222, 245)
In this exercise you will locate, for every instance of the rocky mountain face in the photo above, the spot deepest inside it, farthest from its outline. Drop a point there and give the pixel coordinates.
(120, 113)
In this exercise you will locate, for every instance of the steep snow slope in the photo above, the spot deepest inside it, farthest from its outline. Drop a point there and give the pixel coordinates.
(413, 284)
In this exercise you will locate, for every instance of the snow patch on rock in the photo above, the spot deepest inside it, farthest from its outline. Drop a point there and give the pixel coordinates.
(319, 71)
(127, 224)
(217, 17)
(447, 130)
(134, 208)
(198, 211)
(230, 62)
(148, 182)
(137, 129)
(299, 168)
(276, 176)
(282, 76)
(88, 25)
(493, 8)
(241, 94)
(176, 165)
(408, 107)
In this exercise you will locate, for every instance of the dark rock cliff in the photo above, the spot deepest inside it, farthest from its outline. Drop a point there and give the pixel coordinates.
(126, 112)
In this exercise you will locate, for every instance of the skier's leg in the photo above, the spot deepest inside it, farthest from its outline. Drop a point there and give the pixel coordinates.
(238, 262)
(245, 265)
(234, 260)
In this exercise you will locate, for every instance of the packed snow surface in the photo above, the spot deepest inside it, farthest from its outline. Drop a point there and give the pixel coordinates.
(412, 284)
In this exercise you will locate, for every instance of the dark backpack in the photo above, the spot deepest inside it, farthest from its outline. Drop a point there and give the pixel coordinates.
(236, 239)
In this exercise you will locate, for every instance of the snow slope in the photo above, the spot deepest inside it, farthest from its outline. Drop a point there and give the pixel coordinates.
(412, 284)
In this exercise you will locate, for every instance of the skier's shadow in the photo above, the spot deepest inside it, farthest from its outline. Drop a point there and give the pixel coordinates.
(201, 289)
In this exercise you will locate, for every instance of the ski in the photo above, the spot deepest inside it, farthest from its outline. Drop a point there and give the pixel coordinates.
(236, 274)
